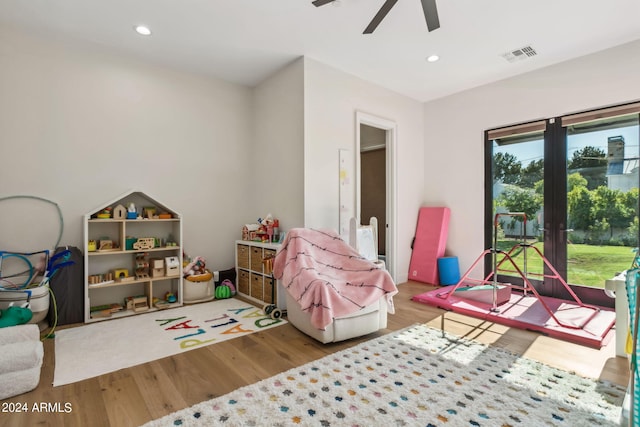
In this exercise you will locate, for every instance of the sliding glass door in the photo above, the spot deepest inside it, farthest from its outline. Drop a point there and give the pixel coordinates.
(567, 186)
(602, 197)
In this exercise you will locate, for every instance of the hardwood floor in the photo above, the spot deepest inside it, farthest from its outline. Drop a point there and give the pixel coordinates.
(133, 396)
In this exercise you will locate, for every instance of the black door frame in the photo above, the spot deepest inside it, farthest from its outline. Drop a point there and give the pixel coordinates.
(555, 228)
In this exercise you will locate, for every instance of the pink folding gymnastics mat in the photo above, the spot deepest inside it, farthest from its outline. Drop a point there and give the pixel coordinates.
(429, 244)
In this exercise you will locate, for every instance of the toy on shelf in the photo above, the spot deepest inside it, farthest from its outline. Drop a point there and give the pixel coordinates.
(265, 230)
(101, 279)
(249, 231)
(140, 300)
(144, 243)
(137, 303)
(92, 246)
(171, 242)
(119, 212)
(267, 262)
(131, 211)
(142, 265)
(106, 244)
(172, 266)
(122, 275)
(140, 303)
(156, 266)
(105, 310)
(149, 212)
(105, 213)
(160, 304)
(170, 297)
(129, 241)
(276, 230)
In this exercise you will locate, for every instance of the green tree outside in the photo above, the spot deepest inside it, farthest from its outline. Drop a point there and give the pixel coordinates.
(591, 163)
(506, 168)
(595, 211)
(532, 173)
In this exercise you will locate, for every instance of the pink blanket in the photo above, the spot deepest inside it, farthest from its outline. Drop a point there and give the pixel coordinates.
(327, 277)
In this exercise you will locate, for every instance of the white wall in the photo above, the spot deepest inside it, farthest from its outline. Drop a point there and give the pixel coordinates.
(80, 126)
(278, 148)
(332, 99)
(454, 126)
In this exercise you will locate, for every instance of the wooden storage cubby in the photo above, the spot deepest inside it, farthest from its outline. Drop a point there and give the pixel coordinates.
(243, 282)
(257, 284)
(254, 281)
(242, 252)
(107, 264)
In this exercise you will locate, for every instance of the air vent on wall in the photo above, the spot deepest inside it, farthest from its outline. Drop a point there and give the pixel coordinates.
(519, 54)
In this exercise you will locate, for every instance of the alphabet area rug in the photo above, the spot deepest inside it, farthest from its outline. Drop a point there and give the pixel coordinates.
(414, 377)
(99, 348)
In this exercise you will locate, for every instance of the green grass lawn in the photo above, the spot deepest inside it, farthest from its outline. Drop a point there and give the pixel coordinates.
(588, 265)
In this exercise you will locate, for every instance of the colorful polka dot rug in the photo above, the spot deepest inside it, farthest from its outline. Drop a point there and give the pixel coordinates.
(414, 377)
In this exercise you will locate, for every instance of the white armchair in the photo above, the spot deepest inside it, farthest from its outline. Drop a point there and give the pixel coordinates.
(370, 318)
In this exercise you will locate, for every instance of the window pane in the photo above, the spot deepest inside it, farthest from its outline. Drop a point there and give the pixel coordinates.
(518, 171)
(602, 198)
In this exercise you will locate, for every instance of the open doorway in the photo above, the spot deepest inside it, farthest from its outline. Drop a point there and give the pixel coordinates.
(373, 180)
(375, 193)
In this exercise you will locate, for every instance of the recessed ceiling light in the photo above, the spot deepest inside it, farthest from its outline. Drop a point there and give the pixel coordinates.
(143, 30)
(433, 58)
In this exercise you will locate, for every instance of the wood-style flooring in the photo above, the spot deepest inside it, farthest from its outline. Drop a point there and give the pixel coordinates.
(133, 396)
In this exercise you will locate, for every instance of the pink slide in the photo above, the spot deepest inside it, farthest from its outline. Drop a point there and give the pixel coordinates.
(429, 244)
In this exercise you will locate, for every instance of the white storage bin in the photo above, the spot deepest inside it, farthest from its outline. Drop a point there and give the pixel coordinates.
(39, 302)
(197, 291)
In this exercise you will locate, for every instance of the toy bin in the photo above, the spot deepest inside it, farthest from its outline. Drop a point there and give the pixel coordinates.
(198, 288)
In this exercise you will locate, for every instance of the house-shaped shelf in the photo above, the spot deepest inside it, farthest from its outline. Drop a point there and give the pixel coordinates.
(133, 249)
(140, 201)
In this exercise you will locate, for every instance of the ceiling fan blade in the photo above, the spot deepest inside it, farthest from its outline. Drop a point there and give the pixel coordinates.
(431, 14)
(386, 7)
(318, 3)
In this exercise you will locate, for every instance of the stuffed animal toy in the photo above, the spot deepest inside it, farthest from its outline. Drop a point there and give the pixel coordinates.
(195, 267)
(12, 316)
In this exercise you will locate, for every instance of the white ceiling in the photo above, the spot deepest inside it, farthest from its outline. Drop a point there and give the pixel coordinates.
(244, 41)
